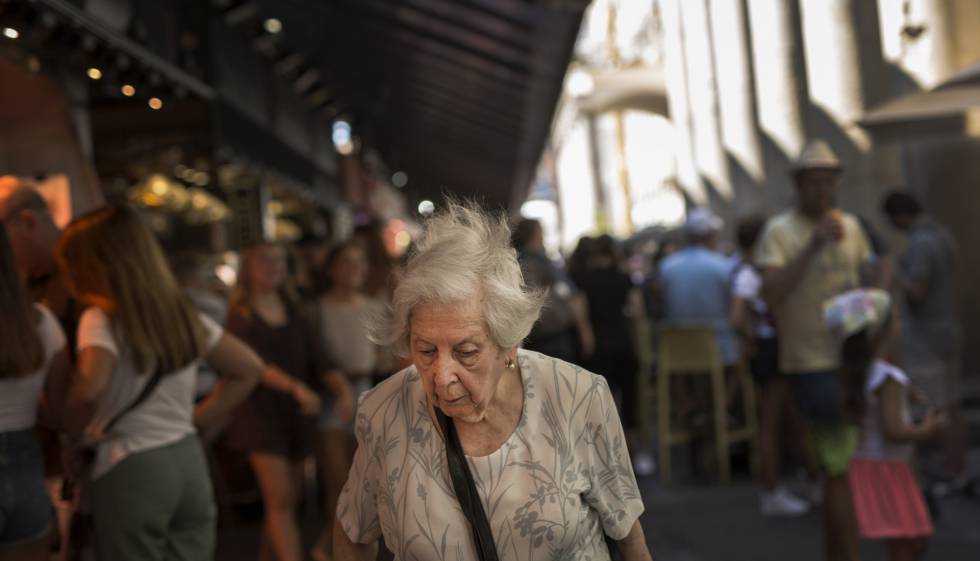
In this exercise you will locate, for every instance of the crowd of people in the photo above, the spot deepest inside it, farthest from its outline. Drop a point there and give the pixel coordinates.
(136, 360)
(832, 397)
(119, 368)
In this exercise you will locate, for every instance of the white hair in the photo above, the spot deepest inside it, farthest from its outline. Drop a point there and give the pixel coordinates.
(464, 253)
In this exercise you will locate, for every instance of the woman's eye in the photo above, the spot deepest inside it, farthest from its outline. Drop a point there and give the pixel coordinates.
(466, 354)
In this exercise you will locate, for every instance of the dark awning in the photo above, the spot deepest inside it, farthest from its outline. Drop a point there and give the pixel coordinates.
(459, 94)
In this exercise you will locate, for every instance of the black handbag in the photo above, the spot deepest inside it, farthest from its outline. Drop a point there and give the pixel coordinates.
(469, 497)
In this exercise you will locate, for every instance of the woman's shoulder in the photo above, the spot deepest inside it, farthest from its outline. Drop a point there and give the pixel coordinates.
(94, 319)
(560, 378)
(404, 383)
(49, 330)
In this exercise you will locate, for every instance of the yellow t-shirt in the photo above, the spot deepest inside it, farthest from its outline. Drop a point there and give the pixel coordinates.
(805, 344)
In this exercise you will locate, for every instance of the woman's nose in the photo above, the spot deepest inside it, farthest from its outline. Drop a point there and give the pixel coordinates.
(444, 371)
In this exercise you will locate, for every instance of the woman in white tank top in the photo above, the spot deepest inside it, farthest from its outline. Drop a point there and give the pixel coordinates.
(33, 367)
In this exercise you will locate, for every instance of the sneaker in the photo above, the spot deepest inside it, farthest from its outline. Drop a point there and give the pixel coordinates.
(946, 487)
(644, 465)
(780, 502)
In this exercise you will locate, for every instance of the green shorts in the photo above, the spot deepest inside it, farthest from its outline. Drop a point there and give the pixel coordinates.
(834, 446)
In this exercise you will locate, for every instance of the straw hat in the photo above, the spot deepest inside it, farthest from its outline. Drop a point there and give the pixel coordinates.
(816, 154)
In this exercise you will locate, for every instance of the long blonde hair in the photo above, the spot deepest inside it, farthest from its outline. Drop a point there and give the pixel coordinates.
(21, 351)
(112, 260)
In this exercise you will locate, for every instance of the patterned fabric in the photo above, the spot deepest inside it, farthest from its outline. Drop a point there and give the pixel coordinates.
(855, 310)
(560, 480)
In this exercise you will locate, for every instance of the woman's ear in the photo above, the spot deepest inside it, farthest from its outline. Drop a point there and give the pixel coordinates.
(511, 355)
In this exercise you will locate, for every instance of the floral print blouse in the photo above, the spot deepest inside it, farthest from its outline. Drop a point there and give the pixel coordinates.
(561, 480)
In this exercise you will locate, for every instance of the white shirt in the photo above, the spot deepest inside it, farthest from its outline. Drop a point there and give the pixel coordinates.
(873, 444)
(164, 418)
(344, 330)
(747, 286)
(19, 395)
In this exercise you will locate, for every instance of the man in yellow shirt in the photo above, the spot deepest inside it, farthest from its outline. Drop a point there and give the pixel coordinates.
(808, 255)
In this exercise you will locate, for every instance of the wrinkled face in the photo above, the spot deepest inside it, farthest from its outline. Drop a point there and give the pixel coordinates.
(267, 268)
(460, 364)
(815, 189)
(350, 268)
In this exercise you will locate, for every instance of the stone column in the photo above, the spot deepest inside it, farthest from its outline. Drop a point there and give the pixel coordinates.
(781, 90)
(847, 77)
(737, 99)
(595, 159)
(675, 74)
(702, 92)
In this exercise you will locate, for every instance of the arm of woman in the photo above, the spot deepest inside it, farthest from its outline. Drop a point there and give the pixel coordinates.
(309, 401)
(346, 550)
(893, 425)
(740, 317)
(634, 546)
(338, 385)
(580, 309)
(95, 366)
(634, 304)
(239, 370)
(55, 391)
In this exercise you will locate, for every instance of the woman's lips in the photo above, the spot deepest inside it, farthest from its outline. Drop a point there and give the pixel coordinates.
(456, 401)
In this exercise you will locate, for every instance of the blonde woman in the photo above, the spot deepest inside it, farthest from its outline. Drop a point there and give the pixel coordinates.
(275, 426)
(150, 492)
(33, 363)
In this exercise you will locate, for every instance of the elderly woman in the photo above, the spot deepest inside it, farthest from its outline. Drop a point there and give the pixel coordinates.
(480, 450)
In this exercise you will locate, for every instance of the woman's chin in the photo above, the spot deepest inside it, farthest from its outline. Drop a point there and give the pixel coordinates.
(461, 409)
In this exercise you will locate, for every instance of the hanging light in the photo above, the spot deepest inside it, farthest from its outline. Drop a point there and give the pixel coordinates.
(10, 33)
(580, 83)
(94, 73)
(272, 26)
(155, 103)
(128, 90)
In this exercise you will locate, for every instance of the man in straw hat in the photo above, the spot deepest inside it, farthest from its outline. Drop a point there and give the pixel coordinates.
(808, 255)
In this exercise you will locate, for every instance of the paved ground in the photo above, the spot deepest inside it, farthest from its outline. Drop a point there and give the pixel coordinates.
(700, 522)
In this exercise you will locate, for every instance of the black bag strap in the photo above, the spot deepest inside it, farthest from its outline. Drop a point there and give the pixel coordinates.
(152, 383)
(465, 488)
(144, 393)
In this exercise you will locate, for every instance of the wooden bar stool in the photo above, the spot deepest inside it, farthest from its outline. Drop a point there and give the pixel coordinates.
(693, 351)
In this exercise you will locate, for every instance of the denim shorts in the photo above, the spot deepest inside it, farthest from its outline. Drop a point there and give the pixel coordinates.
(25, 510)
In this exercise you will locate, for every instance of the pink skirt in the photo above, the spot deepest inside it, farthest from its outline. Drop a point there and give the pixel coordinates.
(887, 500)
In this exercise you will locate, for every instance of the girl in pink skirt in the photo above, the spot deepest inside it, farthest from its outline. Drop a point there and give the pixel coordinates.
(888, 503)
